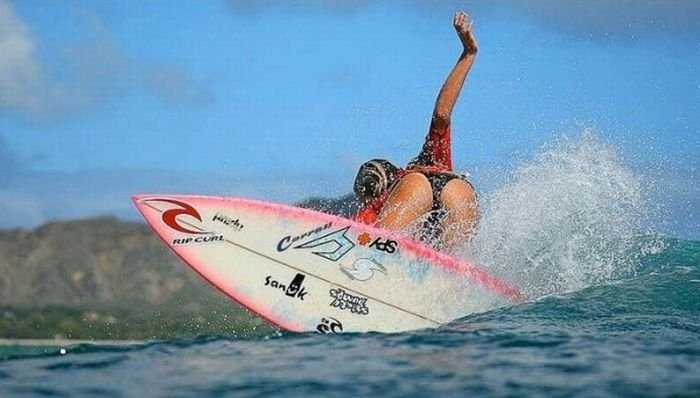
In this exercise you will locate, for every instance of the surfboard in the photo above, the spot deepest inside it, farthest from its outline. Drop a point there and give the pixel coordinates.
(307, 271)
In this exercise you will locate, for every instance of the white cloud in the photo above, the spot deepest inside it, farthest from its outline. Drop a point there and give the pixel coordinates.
(21, 77)
(93, 70)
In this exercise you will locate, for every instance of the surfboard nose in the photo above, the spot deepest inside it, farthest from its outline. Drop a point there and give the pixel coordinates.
(138, 198)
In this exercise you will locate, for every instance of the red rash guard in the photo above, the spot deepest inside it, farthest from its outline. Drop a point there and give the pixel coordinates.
(437, 149)
(434, 158)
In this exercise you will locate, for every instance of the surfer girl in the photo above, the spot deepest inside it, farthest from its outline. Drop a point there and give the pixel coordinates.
(427, 197)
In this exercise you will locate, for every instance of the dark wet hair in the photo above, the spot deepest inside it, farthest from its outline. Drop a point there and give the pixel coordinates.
(373, 178)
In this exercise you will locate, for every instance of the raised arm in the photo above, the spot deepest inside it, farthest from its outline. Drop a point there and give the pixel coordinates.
(455, 80)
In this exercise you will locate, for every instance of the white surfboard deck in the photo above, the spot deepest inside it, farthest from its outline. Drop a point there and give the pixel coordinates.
(309, 271)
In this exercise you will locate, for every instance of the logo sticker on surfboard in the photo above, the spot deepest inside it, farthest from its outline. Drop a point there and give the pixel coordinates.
(293, 289)
(362, 269)
(331, 246)
(329, 325)
(231, 222)
(172, 218)
(346, 301)
(376, 243)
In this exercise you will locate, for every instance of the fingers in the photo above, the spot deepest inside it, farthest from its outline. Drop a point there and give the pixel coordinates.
(463, 25)
(459, 19)
(462, 22)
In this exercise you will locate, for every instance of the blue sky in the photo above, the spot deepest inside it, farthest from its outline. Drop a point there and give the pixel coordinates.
(281, 100)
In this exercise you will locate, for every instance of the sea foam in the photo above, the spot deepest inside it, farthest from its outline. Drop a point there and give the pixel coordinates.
(569, 219)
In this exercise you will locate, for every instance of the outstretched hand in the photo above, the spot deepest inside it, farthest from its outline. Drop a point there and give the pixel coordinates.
(463, 26)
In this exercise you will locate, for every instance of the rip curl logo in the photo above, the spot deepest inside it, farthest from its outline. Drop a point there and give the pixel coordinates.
(329, 325)
(363, 269)
(170, 216)
(199, 239)
(346, 301)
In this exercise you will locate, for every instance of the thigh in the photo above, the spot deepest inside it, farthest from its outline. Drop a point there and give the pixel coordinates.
(409, 200)
(458, 199)
(458, 194)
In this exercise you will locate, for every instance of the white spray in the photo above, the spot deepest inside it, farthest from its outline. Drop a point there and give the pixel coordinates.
(568, 220)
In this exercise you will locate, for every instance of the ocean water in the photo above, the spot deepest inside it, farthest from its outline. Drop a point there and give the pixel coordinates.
(634, 337)
(612, 309)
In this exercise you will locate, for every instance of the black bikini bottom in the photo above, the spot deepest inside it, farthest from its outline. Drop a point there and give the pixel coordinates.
(438, 183)
(431, 229)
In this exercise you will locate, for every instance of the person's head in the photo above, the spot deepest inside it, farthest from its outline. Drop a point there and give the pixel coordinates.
(373, 178)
